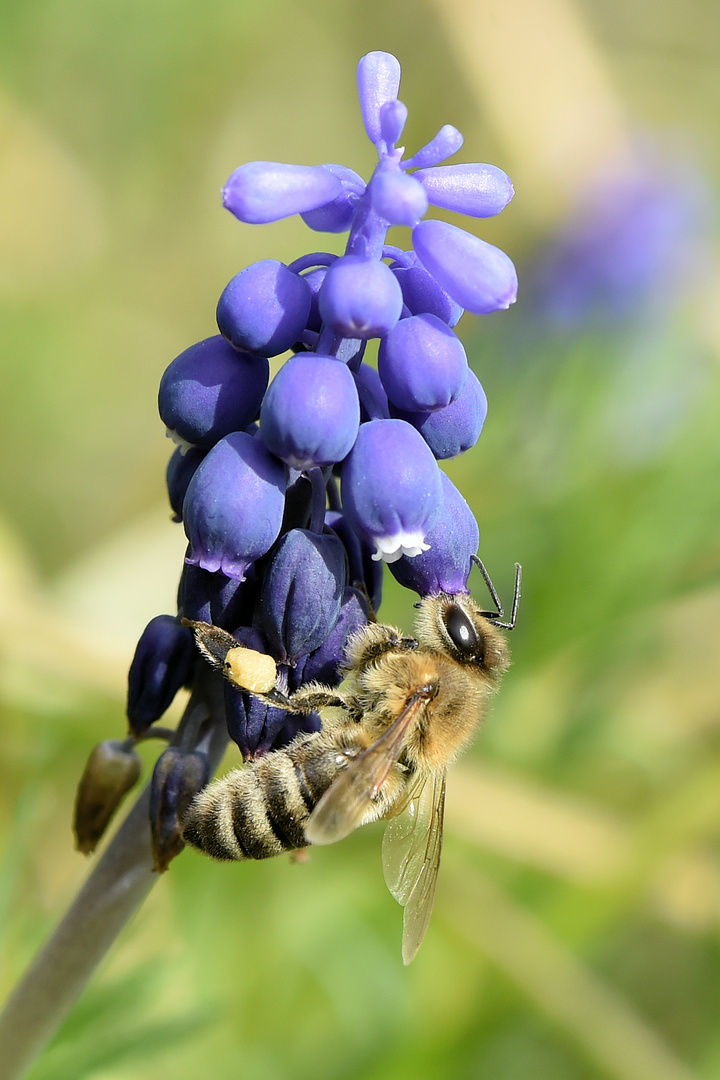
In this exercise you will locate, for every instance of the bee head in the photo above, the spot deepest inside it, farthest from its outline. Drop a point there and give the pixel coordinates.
(453, 624)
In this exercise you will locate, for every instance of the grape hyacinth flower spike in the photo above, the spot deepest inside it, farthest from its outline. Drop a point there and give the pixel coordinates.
(292, 497)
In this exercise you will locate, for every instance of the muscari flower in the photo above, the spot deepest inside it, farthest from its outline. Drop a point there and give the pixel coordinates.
(278, 557)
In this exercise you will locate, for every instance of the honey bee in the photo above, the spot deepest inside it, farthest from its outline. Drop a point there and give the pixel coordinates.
(408, 706)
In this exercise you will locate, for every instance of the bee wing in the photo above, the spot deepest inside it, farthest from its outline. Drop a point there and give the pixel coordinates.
(350, 796)
(412, 846)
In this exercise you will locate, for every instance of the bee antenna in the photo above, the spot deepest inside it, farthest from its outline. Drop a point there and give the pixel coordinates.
(495, 616)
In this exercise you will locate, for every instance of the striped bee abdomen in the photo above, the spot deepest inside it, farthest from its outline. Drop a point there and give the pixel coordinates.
(261, 809)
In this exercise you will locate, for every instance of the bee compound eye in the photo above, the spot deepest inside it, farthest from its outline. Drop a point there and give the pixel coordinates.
(461, 631)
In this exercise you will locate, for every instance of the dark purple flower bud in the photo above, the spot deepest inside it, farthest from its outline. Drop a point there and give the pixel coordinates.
(477, 190)
(176, 780)
(325, 663)
(393, 116)
(477, 275)
(364, 572)
(234, 505)
(210, 390)
(264, 308)
(264, 191)
(452, 540)
(360, 298)
(391, 488)
(378, 81)
(422, 294)
(422, 364)
(180, 470)
(336, 216)
(311, 412)
(398, 198)
(373, 399)
(446, 143)
(301, 593)
(112, 769)
(162, 663)
(453, 430)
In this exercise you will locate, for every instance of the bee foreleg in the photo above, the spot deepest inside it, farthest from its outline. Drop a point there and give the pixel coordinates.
(373, 642)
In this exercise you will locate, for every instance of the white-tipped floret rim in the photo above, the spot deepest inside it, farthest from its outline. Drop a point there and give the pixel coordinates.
(392, 548)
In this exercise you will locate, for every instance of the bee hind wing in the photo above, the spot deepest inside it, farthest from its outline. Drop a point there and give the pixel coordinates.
(412, 846)
(350, 798)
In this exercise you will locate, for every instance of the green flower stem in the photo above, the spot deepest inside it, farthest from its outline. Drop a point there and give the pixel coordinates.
(119, 882)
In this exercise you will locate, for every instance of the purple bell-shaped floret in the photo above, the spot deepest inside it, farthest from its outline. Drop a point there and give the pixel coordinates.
(454, 429)
(264, 308)
(263, 191)
(391, 488)
(422, 364)
(234, 505)
(476, 274)
(454, 538)
(360, 298)
(311, 412)
(210, 390)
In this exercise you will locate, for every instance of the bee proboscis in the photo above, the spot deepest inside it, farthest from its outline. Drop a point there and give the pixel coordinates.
(405, 710)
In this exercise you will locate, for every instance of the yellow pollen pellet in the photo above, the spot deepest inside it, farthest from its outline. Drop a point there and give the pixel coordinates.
(254, 671)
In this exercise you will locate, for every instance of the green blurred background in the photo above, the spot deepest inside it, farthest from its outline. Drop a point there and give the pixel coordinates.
(576, 931)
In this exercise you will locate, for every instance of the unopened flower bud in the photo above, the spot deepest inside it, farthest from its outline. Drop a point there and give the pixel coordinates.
(263, 191)
(378, 82)
(176, 780)
(113, 768)
(446, 143)
(477, 275)
(475, 189)
(162, 663)
(398, 198)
